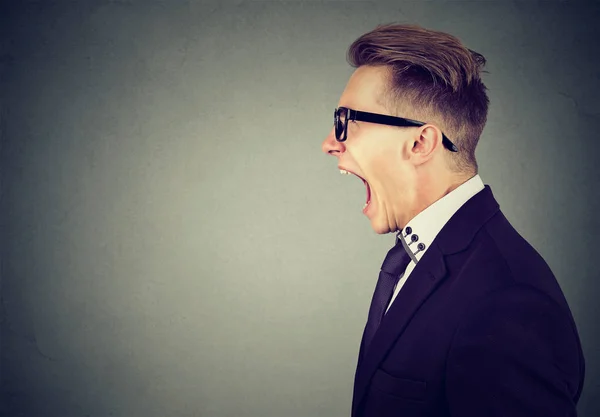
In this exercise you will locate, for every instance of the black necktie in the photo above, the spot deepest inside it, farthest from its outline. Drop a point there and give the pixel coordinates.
(394, 264)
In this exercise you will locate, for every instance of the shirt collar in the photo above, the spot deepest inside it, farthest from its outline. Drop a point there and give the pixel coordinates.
(422, 229)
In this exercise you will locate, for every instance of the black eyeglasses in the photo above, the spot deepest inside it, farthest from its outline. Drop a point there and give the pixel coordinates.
(342, 115)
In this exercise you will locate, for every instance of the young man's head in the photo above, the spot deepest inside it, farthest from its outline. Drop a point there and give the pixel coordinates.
(409, 72)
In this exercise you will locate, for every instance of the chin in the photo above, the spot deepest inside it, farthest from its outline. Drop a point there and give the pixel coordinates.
(379, 223)
(380, 227)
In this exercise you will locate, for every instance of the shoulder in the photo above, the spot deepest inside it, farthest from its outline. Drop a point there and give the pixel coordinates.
(522, 265)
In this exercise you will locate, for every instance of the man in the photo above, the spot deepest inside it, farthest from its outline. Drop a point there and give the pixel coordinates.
(466, 319)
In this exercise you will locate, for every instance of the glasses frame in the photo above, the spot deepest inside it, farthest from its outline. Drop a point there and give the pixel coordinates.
(382, 119)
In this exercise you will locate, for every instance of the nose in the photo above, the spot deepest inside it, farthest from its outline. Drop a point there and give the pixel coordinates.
(331, 146)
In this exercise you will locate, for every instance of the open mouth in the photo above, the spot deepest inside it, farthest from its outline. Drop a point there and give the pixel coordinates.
(346, 172)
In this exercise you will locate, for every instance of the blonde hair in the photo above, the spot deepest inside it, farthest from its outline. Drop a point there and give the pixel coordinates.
(433, 78)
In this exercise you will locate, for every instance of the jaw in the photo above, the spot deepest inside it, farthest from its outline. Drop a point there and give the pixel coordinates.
(384, 216)
(383, 205)
(378, 215)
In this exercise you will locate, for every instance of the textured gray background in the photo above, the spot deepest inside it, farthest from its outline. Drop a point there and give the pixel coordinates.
(174, 243)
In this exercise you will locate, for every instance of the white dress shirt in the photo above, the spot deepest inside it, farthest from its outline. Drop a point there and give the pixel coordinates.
(428, 223)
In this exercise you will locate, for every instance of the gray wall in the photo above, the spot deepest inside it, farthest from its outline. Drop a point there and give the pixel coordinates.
(174, 243)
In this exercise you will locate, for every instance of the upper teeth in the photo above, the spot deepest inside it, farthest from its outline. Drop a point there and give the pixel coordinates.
(343, 171)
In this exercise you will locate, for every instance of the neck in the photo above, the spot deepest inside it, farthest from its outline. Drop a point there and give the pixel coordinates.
(432, 190)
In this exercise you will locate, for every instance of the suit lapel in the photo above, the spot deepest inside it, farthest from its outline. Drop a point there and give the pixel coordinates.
(422, 281)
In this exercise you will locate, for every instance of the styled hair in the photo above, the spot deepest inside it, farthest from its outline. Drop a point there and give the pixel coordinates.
(433, 78)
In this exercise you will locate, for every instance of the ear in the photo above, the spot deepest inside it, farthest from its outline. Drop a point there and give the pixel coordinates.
(427, 140)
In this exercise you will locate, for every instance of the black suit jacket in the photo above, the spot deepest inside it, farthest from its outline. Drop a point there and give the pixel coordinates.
(480, 328)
